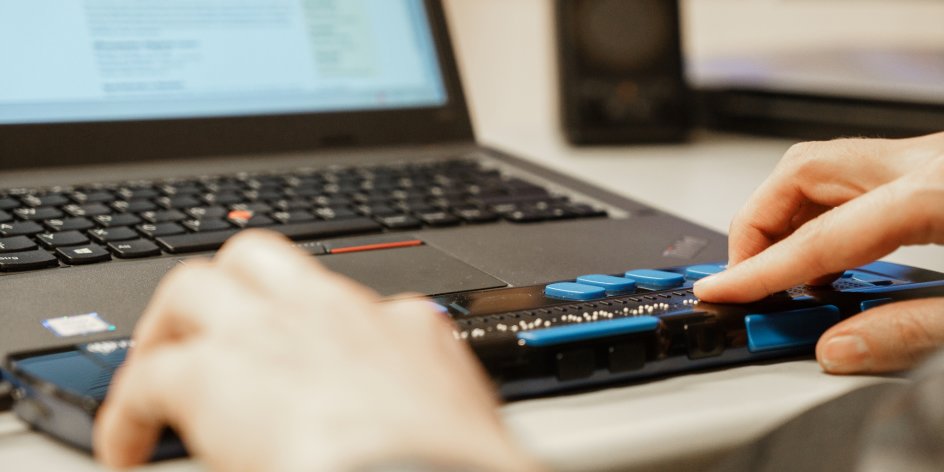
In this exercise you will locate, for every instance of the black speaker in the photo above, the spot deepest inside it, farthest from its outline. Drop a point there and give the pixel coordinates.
(621, 72)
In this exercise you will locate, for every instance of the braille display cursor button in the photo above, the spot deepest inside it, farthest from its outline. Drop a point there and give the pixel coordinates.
(656, 279)
(574, 291)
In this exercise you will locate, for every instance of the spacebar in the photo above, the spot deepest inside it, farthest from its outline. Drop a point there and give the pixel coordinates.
(213, 240)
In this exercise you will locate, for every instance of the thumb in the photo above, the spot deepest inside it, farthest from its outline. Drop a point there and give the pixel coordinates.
(888, 338)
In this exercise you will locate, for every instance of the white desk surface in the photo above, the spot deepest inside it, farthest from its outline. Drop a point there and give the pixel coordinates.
(679, 423)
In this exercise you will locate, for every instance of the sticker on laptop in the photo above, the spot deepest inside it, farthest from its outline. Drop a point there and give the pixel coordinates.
(78, 325)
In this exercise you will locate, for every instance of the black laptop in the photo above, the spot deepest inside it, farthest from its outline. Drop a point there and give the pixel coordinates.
(137, 134)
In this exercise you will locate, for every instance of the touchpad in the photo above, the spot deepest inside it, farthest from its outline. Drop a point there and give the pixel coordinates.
(423, 269)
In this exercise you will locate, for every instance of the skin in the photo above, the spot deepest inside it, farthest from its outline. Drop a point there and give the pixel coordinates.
(261, 359)
(831, 206)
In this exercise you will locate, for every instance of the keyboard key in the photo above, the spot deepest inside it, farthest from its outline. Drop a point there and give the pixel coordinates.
(225, 198)
(69, 224)
(286, 217)
(180, 189)
(252, 207)
(134, 249)
(198, 226)
(195, 242)
(134, 206)
(476, 215)
(141, 193)
(336, 213)
(528, 215)
(95, 196)
(4, 216)
(107, 235)
(439, 219)
(62, 239)
(161, 229)
(7, 203)
(400, 222)
(36, 214)
(178, 201)
(586, 211)
(163, 216)
(120, 219)
(88, 254)
(91, 209)
(29, 260)
(248, 219)
(291, 205)
(16, 244)
(50, 200)
(377, 210)
(22, 228)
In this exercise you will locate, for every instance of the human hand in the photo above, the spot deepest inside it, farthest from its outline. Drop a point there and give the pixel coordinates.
(261, 359)
(831, 206)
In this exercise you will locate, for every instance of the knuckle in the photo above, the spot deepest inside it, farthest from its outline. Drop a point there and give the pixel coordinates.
(186, 275)
(251, 238)
(803, 159)
(921, 206)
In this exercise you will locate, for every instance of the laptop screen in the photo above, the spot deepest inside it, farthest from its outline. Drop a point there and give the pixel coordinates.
(118, 60)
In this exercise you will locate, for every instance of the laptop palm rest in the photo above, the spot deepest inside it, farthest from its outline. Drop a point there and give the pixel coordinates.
(421, 269)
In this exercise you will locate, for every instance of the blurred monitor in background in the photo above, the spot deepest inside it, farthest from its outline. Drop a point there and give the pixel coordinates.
(817, 68)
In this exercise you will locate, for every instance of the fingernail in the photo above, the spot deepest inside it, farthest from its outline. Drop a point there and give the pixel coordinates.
(846, 354)
(706, 283)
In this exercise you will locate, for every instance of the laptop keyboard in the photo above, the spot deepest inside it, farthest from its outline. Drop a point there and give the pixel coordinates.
(48, 228)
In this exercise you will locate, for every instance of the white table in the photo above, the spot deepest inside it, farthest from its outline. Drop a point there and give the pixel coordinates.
(679, 423)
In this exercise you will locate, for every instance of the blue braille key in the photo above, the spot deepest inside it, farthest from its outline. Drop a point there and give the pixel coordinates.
(608, 282)
(698, 272)
(573, 291)
(656, 279)
(587, 331)
(789, 329)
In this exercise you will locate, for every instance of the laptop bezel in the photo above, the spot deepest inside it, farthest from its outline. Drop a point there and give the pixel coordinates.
(70, 144)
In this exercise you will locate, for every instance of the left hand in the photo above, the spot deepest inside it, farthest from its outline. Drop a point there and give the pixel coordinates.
(264, 360)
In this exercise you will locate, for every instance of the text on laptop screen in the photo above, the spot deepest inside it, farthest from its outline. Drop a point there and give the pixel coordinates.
(108, 60)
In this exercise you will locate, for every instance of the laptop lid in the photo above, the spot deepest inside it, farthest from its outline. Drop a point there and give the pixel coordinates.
(102, 81)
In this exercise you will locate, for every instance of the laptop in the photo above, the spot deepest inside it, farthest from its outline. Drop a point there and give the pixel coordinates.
(135, 135)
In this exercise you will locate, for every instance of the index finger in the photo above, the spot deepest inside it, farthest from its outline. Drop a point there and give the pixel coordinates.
(856, 233)
(811, 178)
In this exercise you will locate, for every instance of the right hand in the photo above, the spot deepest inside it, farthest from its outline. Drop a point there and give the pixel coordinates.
(831, 206)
